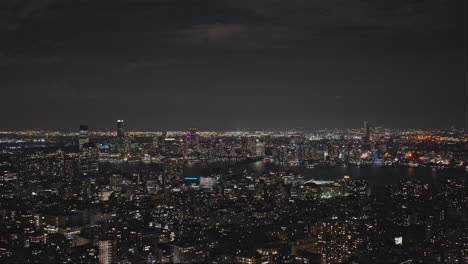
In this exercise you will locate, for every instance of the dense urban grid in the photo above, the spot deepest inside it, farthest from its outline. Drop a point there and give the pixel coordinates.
(200, 197)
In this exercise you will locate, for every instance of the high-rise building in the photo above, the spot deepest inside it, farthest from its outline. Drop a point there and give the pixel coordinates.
(83, 135)
(334, 241)
(192, 142)
(89, 160)
(366, 132)
(152, 186)
(107, 251)
(259, 148)
(120, 128)
(188, 254)
(195, 138)
(116, 181)
(122, 142)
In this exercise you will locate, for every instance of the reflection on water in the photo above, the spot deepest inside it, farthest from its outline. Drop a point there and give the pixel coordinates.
(377, 176)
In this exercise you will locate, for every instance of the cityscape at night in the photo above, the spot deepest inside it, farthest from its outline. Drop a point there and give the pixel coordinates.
(233, 131)
(367, 195)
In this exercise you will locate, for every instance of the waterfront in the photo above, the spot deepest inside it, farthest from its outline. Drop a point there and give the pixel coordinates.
(376, 176)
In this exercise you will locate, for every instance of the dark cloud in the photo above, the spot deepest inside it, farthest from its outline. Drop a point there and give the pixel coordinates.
(14, 12)
(200, 34)
(27, 59)
(133, 66)
(415, 15)
(256, 63)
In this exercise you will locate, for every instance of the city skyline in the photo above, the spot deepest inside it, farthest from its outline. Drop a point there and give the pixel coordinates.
(233, 131)
(329, 196)
(182, 129)
(232, 64)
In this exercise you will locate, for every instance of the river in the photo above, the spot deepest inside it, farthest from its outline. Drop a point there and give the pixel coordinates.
(376, 176)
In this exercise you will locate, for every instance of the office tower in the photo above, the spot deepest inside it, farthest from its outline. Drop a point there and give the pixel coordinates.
(152, 186)
(334, 241)
(116, 181)
(411, 189)
(83, 135)
(120, 128)
(89, 160)
(158, 143)
(188, 254)
(259, 148)
(345, 182)
(194, 138)
(191, 143)
(107, 251)
(122, 142)
(366, 132)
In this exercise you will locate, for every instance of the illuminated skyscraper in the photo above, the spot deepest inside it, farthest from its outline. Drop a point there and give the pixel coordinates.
(192, 142)
(122, 142)
(89, 168)
(194, 138)
(259, 148)
(107, 251)
(334, 241)
(89, 160)
(83, 135)
(120, 128)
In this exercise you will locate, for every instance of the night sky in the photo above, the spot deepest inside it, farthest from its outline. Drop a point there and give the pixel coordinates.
(227, 64)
